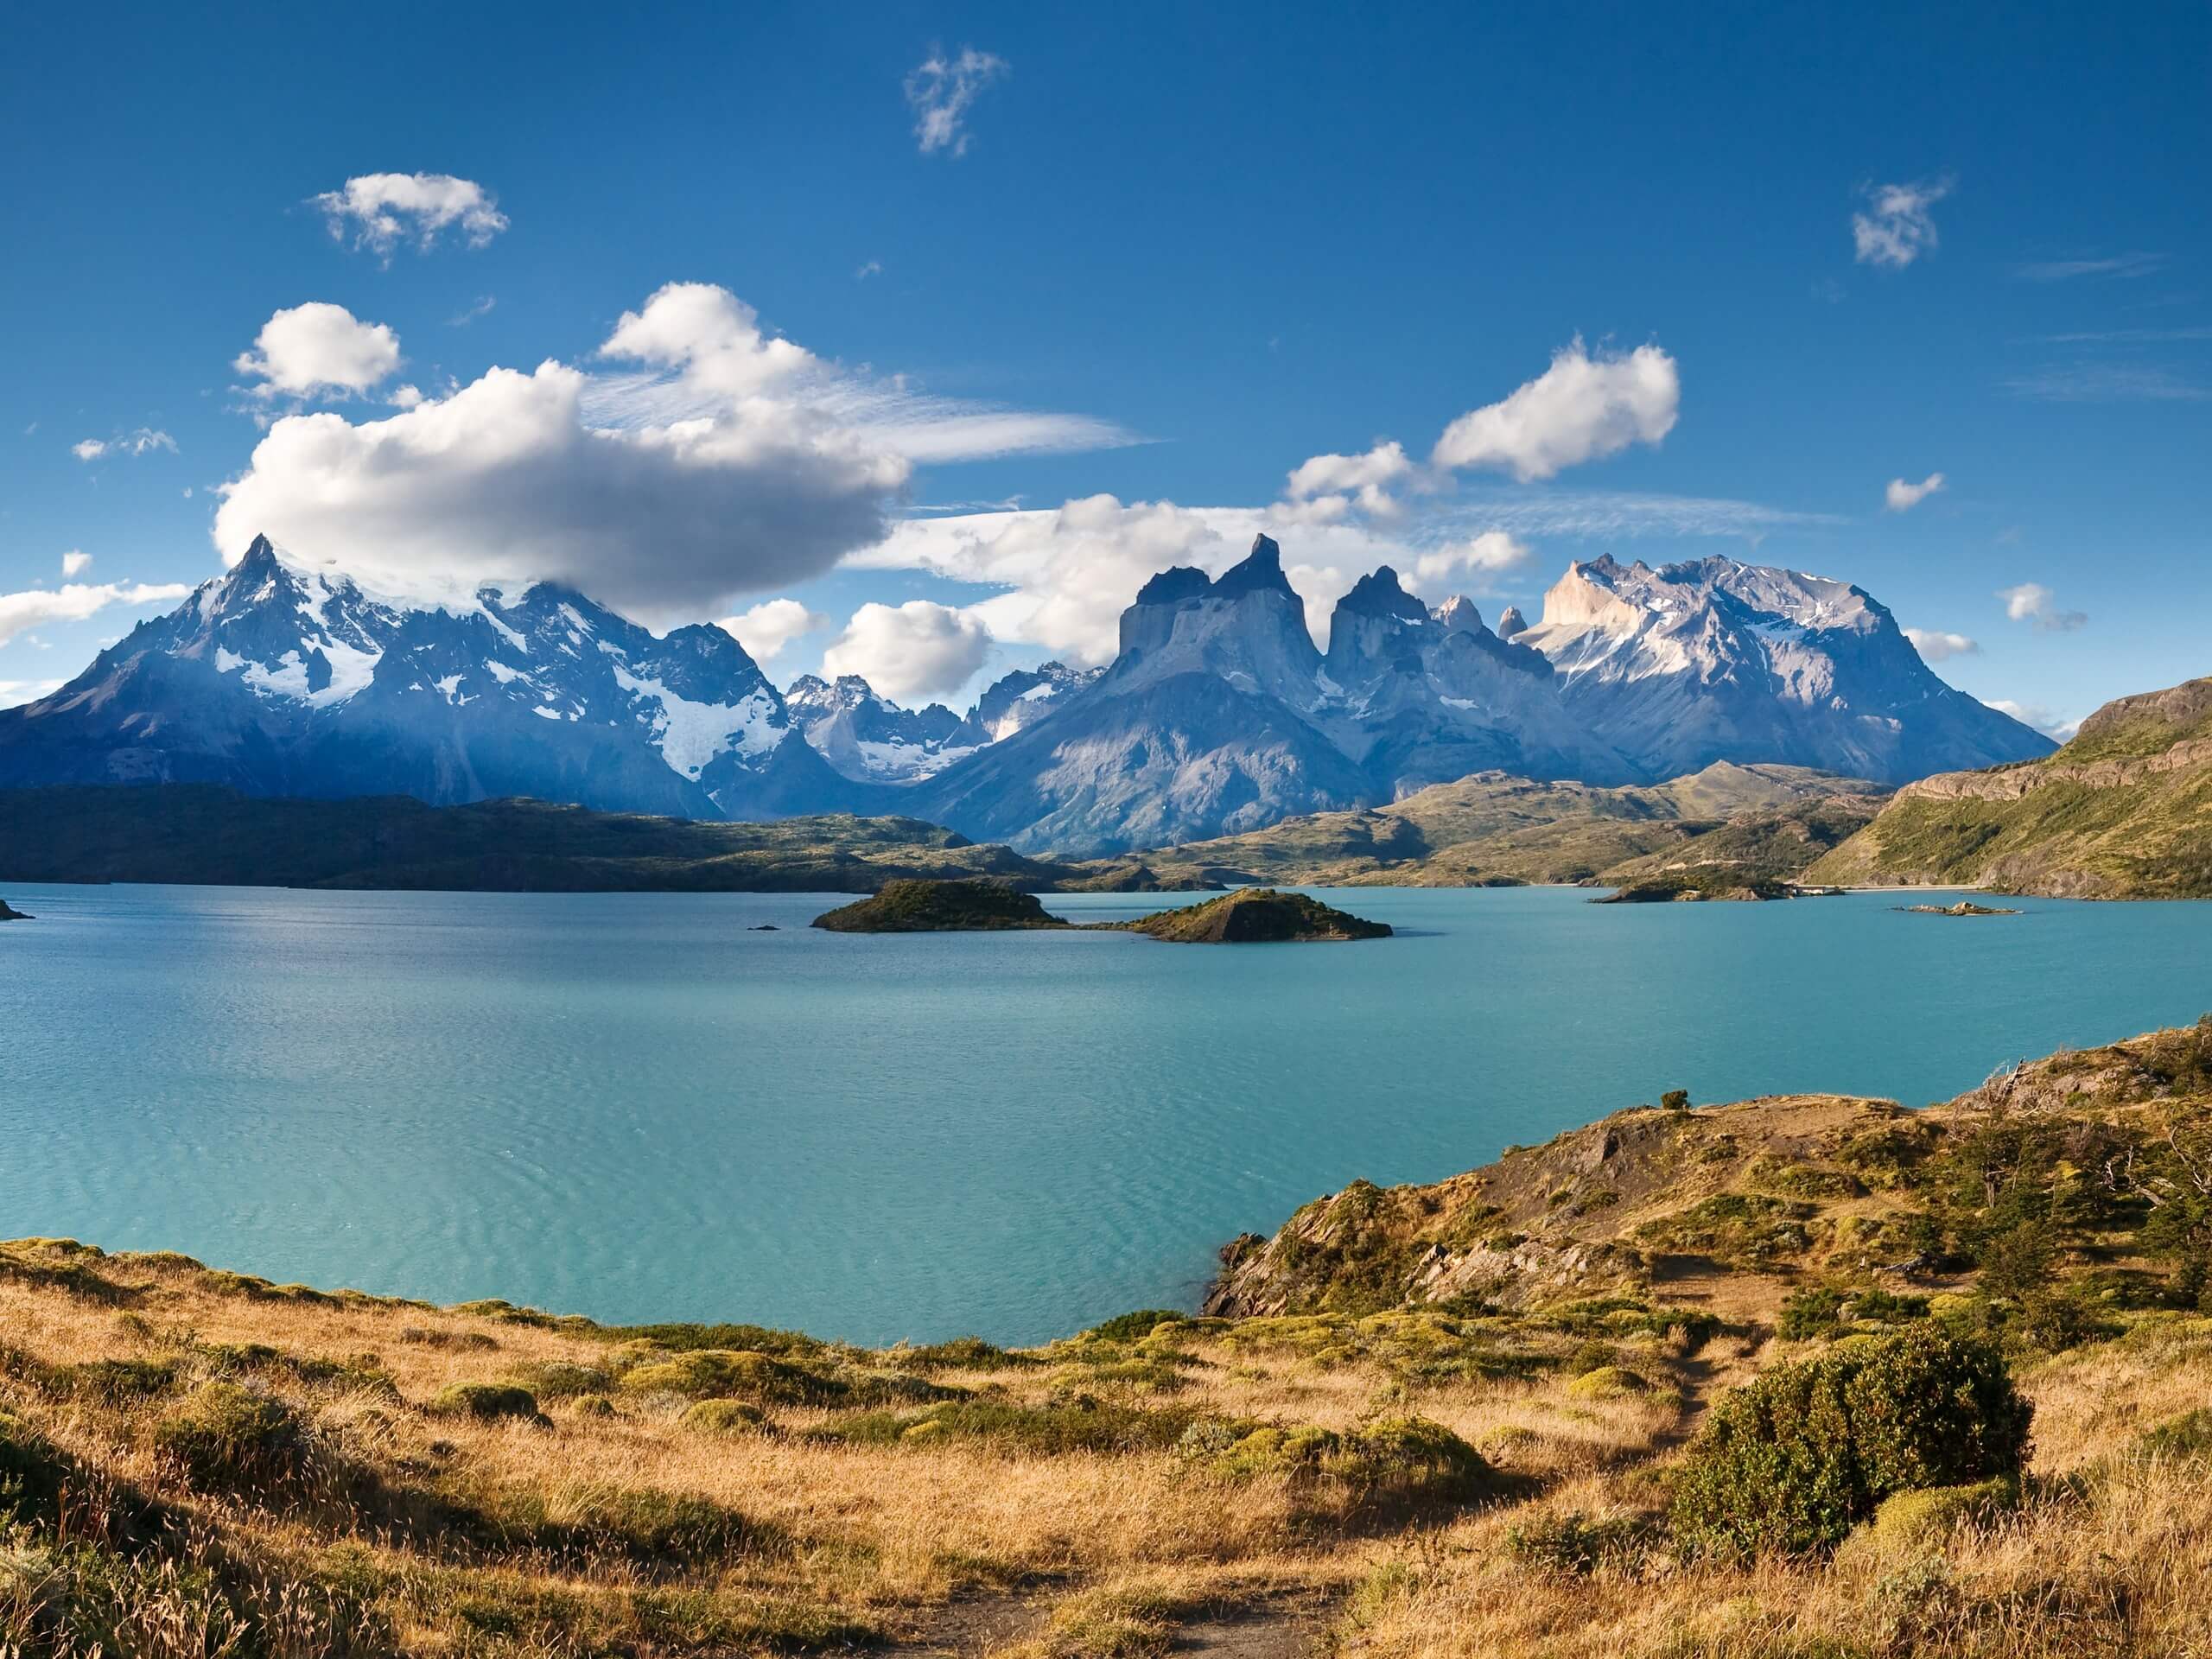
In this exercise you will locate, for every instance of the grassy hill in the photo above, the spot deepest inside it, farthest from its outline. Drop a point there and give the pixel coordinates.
(199, 834)
(2122, 811)
(1494, 828)
(1523, 1411)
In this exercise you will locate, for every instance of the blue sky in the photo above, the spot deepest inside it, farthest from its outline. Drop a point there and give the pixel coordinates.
(1162, 255)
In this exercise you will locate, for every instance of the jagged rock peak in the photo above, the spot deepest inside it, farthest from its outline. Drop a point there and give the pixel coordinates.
(1380, 594)
(1458, 614)
(1175, 584)
(1261, 571)
(1510, 624)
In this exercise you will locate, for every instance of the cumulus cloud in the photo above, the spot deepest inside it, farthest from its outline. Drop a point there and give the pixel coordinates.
(2033, 602)
(712, 338)
(1903, 498)
(939, 92)
(74, 602)
(769, 627)
(318, 350)
(1332, 484)
(1484, 558)
(379, 210)
(1582, 408)
(75, 562)
(1899, 224)
(1935, 646)
(917, 650)
(143, 441)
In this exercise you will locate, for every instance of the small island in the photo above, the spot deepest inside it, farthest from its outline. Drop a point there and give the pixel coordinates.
(9, 915)
(1964, 907)
(923, 906)
(1257, 916)
(1247, 916)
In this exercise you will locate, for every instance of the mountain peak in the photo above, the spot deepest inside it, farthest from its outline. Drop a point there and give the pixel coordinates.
(1260, 572)
(1174, 584)
(1380, 594)
(1458, 614)
(1510, 623)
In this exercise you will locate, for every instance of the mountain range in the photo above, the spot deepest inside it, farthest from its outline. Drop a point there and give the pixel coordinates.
(1219, 714)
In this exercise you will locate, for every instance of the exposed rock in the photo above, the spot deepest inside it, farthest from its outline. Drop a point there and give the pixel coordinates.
(10, 915)
(1511, 622)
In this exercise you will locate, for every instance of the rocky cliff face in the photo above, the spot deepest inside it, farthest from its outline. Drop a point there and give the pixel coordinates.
(1678, 667)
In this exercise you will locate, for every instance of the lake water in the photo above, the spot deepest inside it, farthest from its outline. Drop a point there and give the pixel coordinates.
(631, 1107)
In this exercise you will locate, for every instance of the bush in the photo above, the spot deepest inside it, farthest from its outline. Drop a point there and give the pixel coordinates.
(556, 1379)
(721, 1374)
(1572, 1543)
(485, 1402)
(1791, 1463)
(1676, 1100)
(1606, 1383)
(227, 1439)
(723, 1417)
(2188, 1435)
(1402, 1459)
(1130, 1327)
(1814, 1312)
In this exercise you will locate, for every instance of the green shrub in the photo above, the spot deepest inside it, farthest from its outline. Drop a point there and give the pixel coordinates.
(1792, 1462)
(961, 1354)
(2188, 1435)
(223, 1438)
(1676, 1100)
(723, 1417)
(1130, 1327)
(485, 1402)
(1392, 1460)
(120, 1382)
(718, 1373)
(1815, 1311)
(1606, 1383)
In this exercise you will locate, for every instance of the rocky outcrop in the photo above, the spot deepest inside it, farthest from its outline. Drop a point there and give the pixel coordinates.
(7, 914)
(1258, 916)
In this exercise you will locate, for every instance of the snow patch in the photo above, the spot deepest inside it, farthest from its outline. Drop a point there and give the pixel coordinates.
(689, 734)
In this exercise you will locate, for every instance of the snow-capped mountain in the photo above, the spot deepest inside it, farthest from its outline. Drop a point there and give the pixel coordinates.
(1715, 660)
(1019, 699)
(283, 679)
(1218, 713)
(868, 737)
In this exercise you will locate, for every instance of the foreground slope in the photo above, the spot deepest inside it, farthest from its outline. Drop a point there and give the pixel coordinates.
(2123, 811)
(1407, 1461)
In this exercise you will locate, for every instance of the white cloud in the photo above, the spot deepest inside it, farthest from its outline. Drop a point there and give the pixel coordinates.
(2043, 720)
(13, 692)
(318, 350)
(480, 307)
(2066, 270)
(1484, 559)
(2033, 602)
(873, 268)
(941, 89)
(914, 651)
(143, 441)
(1935, 646)
(74, 602)
(507, 478)
(406, 396)
(1899, 226)
(380, 210)
(1580, 409)
(771, 626)
(1902, 497)
(1331, 483)
(2107, 383)
(75, 562)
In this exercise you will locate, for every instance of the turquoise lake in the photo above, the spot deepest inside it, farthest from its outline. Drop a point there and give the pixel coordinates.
(631, 1107)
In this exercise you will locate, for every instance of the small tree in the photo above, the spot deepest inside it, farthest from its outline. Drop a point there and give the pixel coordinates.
(1676, 1100)
(1791, 1464)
